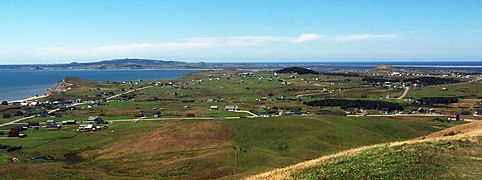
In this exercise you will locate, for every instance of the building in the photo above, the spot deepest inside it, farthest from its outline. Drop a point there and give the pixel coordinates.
(69, 122)
(478, 112)
(231, 108)
(385, 111)
(156, 114)
(454, 117)
(214, 108)
(95, 120)
(6, 116)
(44, 114)
(33, 124)
(263, 108)
(51, 124)
(86, 127)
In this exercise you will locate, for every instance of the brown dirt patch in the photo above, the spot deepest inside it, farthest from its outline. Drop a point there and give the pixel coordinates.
(182, 137)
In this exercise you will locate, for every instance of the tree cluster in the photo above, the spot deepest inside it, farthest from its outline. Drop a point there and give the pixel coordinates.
(297, 70)
(347, 104)
(371, 80)
(438, 100)
(432, 80)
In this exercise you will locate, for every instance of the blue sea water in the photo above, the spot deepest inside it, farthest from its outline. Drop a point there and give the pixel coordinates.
(21, 84)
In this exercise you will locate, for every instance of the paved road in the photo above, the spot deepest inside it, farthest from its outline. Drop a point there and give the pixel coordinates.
(76, 104)
(405, 93)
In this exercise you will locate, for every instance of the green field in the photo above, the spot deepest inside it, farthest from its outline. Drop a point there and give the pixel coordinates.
(266, 144)
(428, 160)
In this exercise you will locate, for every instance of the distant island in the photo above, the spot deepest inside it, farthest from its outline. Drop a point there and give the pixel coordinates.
(134, 63)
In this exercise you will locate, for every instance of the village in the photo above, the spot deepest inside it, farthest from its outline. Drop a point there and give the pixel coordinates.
(285, 100)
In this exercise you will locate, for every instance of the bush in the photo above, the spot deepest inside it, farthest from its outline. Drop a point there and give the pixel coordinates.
(465, 113)
(13, 148)
(191, 115)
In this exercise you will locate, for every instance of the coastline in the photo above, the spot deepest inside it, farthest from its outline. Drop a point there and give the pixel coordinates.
(47, 94)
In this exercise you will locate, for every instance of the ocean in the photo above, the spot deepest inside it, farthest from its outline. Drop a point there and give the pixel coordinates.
(22, 84)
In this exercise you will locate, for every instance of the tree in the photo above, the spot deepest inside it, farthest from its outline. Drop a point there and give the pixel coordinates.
(5, 103)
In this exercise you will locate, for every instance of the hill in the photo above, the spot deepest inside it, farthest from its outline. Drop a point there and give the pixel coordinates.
(200, 149)
(453, 153)
(297, 70)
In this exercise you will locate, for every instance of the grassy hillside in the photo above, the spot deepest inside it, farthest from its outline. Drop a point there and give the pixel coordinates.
(454, 153)
(198, 148)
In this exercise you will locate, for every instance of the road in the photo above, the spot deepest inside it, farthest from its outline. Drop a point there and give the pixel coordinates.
(76, 104)
(405, 93)
(253, 115)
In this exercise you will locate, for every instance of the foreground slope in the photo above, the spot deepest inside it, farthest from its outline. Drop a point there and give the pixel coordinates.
(453, 153)
(200, 149)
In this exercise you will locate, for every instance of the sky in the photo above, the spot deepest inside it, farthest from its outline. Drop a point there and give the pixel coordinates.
(62, 31)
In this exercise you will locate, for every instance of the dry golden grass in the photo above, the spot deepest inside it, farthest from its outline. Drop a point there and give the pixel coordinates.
(182, 137)
(466, 131)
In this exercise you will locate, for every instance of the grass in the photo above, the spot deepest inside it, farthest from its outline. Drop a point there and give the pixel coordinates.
(266, 144)
(283, 141)
(463, 90)
(426, 160)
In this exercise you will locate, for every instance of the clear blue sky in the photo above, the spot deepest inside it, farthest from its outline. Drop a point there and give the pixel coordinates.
(61, 31)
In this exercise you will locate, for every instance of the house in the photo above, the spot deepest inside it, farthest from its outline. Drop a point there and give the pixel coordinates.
(263, 108)
(296, 111)
(411, 99)
(51, 124)
(95, 119)
(454, 117)
(142, 114)
(33, 124)
(283, 98)
(210, 100)
(385, 111)
(213, 108)
(44, 114)
(86, 127)
(7, 116)
(478, 112)
(417, 86)
(156, 114)
(265, 115)
(300, 98)
(69, 122)
(13, 133)
(420, 110)
(350, 111)
(432, 111)
(231, 108)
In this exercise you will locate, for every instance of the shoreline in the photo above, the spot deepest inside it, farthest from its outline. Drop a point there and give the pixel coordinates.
(47, 94)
